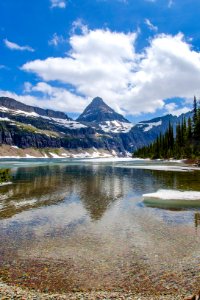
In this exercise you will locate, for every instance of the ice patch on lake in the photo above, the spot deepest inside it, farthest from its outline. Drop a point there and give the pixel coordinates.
(5, 183)
(25, 203)
(29, 156)
(163, 168)
(111, 159)
(174, 195)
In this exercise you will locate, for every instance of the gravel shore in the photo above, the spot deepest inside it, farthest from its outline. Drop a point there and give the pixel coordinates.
(13, 292)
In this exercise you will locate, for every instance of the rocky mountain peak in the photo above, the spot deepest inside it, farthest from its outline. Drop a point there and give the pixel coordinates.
(97, 101)
(98, 111)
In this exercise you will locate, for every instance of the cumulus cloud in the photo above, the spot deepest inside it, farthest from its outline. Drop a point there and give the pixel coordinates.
(58, 3)
(99, 63)
(150, 25)
(14, 46)
(47, 96)
(104, 63)
(173, 109)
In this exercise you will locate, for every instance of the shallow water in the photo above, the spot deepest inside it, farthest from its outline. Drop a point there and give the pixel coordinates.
(72, 225)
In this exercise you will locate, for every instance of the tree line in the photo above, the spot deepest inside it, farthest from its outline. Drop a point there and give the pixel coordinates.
(180, 141)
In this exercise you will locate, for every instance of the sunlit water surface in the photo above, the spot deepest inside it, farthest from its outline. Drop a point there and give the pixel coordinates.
(81, 225)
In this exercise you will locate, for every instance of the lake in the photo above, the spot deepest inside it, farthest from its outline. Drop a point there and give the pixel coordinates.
(82, 225)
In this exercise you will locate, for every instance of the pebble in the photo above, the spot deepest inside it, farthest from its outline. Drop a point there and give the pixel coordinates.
(16, 293)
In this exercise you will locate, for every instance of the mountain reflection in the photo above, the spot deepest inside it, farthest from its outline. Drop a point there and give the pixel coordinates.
(197, 219)
(44, 186)
(98, 192)
(95, 186)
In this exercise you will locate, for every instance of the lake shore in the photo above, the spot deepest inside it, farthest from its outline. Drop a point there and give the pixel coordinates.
(14, 292)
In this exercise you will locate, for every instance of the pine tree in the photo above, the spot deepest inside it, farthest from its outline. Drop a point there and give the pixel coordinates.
(195, 116)
(184, 144)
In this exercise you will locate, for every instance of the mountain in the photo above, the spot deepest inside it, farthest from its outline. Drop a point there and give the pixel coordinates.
(99, 128)
(25, 126)
(145, 132)
(22, 108)
(101, 116)
(99, 111)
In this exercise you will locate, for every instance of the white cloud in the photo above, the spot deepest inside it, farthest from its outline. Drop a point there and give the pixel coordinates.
(104, 63)
(14, 46)
(47, 96)
(99, 63)
(150, 25)
(27, 87)
(58, 3)
(174, 110)
(79, 24)
(56, 40)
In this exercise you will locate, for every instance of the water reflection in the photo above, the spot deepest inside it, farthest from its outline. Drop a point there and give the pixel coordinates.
(197, 220)
(97, 187)
(87, 225)
(41, 186)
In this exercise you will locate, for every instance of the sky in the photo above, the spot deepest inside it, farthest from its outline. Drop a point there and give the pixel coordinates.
(141, 56)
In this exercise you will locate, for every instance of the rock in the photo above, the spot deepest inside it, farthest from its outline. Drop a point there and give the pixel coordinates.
(194, 297)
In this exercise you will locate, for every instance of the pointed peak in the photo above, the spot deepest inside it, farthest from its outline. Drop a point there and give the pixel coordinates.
(99, 111)
(98, 102)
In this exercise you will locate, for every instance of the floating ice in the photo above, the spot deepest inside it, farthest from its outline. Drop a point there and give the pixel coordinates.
(163, 168)
(5, 183)
(174, 195)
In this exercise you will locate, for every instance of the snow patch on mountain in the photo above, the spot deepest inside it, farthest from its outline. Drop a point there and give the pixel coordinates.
(116, 126)
(4, 119)
(68, 123)
(71, 124)
(149, 126)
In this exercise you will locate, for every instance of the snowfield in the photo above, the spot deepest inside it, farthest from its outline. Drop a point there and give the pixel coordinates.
(116, 126)
(149, 126)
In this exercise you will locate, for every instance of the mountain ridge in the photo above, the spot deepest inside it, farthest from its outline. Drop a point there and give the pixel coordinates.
(11, 103)
(27, 126)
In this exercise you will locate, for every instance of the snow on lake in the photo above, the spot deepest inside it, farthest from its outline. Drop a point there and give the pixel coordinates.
(174, 194)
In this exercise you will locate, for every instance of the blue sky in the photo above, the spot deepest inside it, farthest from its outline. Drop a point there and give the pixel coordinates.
(141, 56)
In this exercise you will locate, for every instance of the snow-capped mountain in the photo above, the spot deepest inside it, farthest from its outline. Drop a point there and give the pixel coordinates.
(101, 116)
(98, 127)
(15, 109)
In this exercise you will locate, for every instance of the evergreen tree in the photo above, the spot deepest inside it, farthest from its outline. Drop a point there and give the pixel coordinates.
(184, 144)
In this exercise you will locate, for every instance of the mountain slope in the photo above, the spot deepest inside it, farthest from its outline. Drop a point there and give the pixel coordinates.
(22, 108)
(145, 132)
